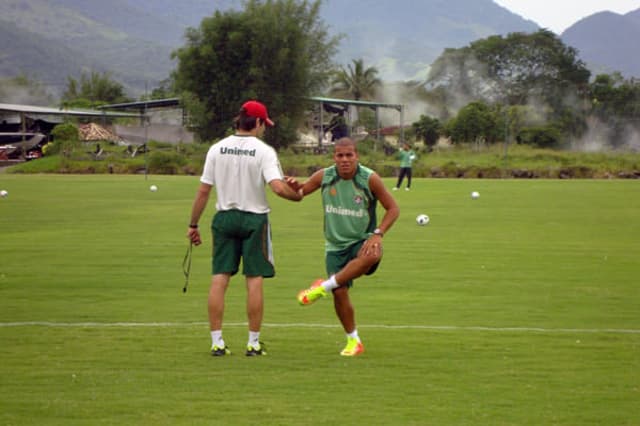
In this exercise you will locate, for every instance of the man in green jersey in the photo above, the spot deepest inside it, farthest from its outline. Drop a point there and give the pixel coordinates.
(407, 156)
(350, 192)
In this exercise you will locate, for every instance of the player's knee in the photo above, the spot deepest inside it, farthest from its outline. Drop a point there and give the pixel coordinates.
(371, 259)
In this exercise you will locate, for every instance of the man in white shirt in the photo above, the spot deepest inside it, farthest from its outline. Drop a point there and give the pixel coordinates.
(240, 166)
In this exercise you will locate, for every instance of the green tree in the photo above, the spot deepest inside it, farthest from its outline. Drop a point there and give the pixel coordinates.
(66, 139)
(92, 90)
(356, 81)
(616, 103)
(474, 122)
(277, 51)
(166, 89)
(613, 96)
(428, 130)
(518, 69)
(541, 137)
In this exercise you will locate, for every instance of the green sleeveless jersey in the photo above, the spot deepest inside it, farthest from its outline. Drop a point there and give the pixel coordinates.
(406, 158)
(349, 208)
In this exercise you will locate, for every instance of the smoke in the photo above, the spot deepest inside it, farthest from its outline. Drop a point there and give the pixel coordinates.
(601, 137)
(404, 94)
(464, 80)
(631, 140)
(417, 94)
(14, 92)
(595, 139)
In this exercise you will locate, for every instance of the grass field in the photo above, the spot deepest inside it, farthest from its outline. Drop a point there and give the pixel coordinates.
(519, 308)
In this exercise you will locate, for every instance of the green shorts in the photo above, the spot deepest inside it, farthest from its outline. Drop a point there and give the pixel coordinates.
(242, 235)
(336, 260)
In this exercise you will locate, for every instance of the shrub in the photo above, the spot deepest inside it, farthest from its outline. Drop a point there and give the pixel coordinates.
(541, 137)
(169, 163)
(66, 138)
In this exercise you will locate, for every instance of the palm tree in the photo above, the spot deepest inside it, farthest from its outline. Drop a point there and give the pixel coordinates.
(356, 81)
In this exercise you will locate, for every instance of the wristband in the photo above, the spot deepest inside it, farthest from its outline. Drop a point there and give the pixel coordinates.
(193, 226)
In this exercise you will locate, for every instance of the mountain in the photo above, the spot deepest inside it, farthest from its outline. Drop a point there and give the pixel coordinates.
(50, 40)
(403, 37)
(607, 42)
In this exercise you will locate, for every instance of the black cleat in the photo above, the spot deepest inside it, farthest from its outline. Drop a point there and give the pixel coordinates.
(216, 351)
(259, 351)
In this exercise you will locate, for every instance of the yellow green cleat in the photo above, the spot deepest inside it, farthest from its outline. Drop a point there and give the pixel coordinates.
(353, 348)
(311, 294)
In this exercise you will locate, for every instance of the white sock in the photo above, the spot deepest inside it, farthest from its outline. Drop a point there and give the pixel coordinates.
(330, 284)
(254, 339)
(354, 335)
(216, 338)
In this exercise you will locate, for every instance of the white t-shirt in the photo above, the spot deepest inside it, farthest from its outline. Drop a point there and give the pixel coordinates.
(240, 167)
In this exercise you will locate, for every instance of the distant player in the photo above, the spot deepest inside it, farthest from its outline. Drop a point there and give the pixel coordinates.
(407, 156)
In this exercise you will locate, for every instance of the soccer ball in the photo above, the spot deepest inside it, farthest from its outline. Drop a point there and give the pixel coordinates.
(475, 194)
(3, 193)
(422, 219)
(153, 188)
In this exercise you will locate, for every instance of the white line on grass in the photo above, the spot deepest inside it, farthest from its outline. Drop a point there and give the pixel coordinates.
(305, 325)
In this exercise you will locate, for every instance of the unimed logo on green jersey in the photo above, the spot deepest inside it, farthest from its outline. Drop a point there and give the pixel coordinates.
(340, 211)
(235, 151)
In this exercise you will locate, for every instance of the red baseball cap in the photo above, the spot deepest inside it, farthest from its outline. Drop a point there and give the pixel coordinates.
(257, 109)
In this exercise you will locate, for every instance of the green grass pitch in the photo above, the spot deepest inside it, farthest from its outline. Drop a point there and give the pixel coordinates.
(519, 308)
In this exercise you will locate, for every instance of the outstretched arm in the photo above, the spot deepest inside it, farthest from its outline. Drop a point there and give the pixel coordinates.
(309, 186)
(283, 189)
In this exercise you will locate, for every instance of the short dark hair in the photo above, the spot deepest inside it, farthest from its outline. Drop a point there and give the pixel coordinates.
(346, 141)
(245, 122)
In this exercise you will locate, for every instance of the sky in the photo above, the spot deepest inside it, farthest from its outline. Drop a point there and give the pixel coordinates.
(558, 15)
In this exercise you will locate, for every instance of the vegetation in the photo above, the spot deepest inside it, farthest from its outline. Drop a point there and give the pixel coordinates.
(67, 140)
(474, 122)
(277, 51)
(166, 89)
(60, 40)
(532, 86)
(525, 89)
(92, 90)
(518, 308)
(616, 102)
(513, 70)
(356, 81)
(478, 160)
(427, 130)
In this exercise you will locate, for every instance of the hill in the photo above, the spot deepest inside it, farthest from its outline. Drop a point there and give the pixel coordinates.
(607, 42)
(402, 38)
(53, 39)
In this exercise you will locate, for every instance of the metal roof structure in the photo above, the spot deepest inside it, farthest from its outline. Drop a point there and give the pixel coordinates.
(39, 110)
(348, 102)
(369, 104)
(142, 105)
(174, 102)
